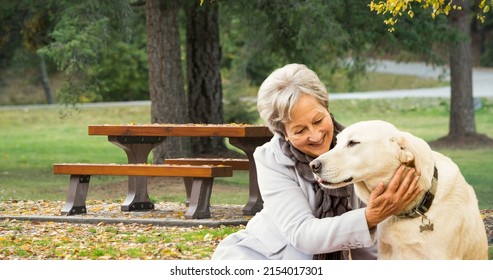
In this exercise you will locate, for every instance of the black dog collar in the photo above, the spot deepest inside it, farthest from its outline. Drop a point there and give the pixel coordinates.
(425, 204)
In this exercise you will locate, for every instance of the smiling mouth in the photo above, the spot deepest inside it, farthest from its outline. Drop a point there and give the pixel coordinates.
(340, 183)
(319, 142)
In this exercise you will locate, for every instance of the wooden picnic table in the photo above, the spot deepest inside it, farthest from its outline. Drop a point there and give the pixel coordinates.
(137, 140)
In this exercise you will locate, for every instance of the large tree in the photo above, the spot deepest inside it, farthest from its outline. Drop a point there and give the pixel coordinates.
(166, 84)
(205, 96)
(462, 125)
(462, 121)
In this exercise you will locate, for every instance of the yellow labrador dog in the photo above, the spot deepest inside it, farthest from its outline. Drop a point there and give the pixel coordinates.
(444, 221)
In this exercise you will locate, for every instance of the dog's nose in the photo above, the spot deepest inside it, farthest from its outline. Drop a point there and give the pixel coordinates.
(315, 165)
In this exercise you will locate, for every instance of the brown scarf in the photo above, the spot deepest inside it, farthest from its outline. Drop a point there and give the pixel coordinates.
(328, 202)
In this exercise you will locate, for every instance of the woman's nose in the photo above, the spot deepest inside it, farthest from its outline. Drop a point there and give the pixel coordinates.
(314, 136)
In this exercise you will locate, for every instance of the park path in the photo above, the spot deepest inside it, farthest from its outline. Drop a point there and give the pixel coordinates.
(482, 81)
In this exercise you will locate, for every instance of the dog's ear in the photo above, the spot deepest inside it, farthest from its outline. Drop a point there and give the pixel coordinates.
(415, 151)
(412, 150)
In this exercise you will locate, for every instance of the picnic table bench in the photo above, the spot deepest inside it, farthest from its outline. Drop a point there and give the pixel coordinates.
(235, 163)
(138, 140)
(201, 177)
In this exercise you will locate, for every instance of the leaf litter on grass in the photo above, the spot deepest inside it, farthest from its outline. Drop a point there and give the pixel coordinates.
(53, 240)
(111, 209)
(20, 239)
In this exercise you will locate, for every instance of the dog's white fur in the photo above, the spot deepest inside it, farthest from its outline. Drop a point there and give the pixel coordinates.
(370, 152)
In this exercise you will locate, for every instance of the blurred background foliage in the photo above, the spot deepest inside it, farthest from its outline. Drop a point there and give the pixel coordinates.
(95, 51)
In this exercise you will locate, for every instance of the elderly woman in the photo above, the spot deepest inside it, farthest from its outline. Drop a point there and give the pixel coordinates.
(300, 219)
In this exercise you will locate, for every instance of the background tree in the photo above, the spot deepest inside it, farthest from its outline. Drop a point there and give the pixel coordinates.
(25, 26)
(462, 122)
(280, 32)
(166, 84)
(35, 37)
(335, 38)
(462, 126)
(121, 71)
(12, 16)
(82, 32)
(205, 96)
(483, 35)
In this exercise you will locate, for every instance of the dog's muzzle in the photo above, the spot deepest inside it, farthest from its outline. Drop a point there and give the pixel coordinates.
(316, 167)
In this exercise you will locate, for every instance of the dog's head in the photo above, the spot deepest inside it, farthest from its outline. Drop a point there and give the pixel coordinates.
(368, 153)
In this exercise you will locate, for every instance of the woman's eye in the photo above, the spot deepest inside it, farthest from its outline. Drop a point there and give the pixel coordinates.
(299, 131)
(352, 143)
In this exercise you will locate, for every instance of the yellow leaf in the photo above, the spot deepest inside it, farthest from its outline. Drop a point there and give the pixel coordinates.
(207, 237)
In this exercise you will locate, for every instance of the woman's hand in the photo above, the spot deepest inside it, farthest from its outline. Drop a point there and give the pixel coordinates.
(385, 202)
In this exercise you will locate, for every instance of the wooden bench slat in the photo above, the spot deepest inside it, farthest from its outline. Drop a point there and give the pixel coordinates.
(201, 177)
(162, 170)
(237, 164)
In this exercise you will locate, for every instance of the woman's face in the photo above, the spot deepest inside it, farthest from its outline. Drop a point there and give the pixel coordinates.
(311, 128)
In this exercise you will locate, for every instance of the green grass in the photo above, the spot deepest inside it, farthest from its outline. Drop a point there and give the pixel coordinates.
(380, 81)
(33, 139)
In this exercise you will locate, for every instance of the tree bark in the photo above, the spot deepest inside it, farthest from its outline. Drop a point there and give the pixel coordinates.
(166, 84)
(203, 72)
(45, 80)
(462, 122)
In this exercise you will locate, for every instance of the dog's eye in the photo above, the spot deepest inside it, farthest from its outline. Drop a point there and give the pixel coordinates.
(352, 143)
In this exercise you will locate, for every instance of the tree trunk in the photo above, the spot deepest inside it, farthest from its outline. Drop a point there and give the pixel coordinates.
(166, 85)
(45, 80)
(462, 121)
(203, 72)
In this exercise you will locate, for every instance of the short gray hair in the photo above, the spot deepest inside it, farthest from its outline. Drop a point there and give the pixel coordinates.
(282, 89)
